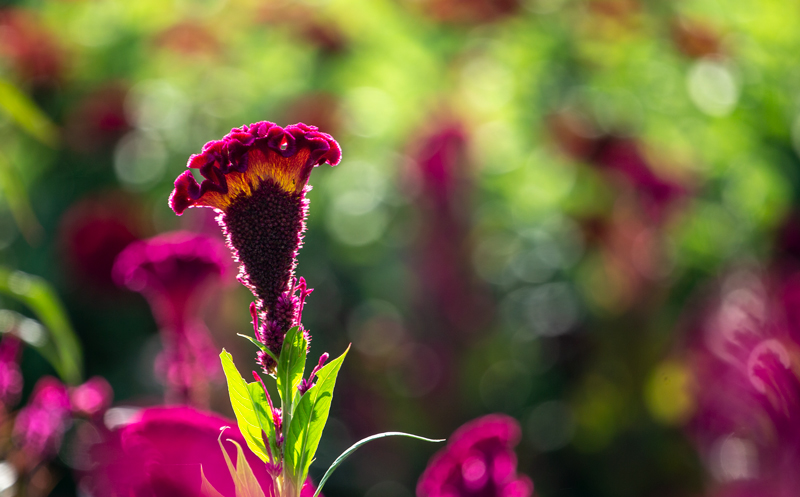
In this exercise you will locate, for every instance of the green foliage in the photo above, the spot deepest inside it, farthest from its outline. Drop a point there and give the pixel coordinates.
(244, 480)
(260, 345)
(291, 365)
(250, 406)
(339, 460)
(309, 420)
(26, 114)
(62, 349)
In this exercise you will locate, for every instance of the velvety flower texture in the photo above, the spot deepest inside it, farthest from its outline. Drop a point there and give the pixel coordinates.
(161, 452)
(172, 271)
(256, 177)
(40, 425)
(479, 461)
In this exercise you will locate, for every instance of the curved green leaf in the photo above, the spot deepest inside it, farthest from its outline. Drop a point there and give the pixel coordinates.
(309, 420)
(244, 480)
(20, 108)
(291, 366)
(250, 406)
(260, 345)
(339, 460)
(63, 349)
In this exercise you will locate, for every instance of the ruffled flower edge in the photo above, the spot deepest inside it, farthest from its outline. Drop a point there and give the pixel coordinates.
(285, 155)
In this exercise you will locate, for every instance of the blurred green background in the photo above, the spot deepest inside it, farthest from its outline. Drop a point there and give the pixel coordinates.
(533, 192)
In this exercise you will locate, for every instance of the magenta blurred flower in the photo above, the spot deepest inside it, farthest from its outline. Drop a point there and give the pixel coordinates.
(170, 269)
(173, 271)
(10, 374)
(746, 424)
(479, 461)
(40, 425)
(93, 398)
(92, 234)
(98, 120)
(257, 178)
(450, 295)
(621, 158)
(161, 452)
(30, 48)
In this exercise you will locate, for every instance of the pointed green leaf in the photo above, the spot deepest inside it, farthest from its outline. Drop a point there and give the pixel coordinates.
(244, 480)
(206, 489)
(309, 420)
(246, 407)
(264, 414)
(27, 115)
(63, 349)
(260, 345)
(339, 460)
(291, 365)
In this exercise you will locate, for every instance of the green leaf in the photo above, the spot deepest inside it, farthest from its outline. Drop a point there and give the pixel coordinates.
(291, 366)
(21, 109)
(244, 480)
(264, 414)
(339, 460)
(206, 488)
(62, 349)
(18, 201)
(309, 420)
(246, 406)
(261, 346)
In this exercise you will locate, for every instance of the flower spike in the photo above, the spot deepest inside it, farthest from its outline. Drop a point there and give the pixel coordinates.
(256, 178)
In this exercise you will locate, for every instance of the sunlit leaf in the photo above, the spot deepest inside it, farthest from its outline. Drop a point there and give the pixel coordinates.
(291, 365)
(264, 414)
(339, 460)
(206, 489)
(244, 480)
(260, 345)
(246, 407)
(309, 420)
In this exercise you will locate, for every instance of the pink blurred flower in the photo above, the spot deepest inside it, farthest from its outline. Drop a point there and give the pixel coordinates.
(93, 398)
(622, 159)
(161, 452)
(450, 296)
(40, 425)
(746, 363)
(479, 461)
(30, 48)
(98, 120)
(174, 271)
(92, 234)
(10, 374)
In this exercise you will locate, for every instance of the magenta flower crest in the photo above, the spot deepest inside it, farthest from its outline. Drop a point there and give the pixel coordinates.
(256, 177)
(479, 461)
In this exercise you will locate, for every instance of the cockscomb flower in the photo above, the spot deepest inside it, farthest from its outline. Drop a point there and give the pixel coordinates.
(256, 177)
(479, 461)
(172, 271)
